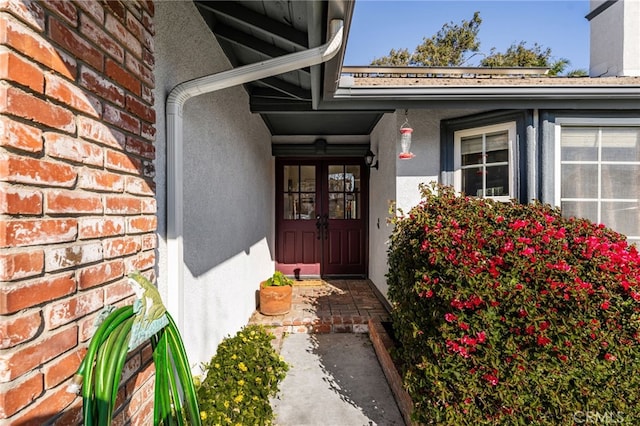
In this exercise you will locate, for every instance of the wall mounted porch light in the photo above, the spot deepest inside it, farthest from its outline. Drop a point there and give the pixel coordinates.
(368, 160)
(405, 139)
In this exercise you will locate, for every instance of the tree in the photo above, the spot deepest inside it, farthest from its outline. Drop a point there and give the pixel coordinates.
(400, 57)
(519, 55)
(448, 47)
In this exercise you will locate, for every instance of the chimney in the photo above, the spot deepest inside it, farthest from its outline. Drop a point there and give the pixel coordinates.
(615, 38)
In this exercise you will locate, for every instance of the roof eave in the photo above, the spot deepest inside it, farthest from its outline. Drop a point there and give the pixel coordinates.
(380, 98)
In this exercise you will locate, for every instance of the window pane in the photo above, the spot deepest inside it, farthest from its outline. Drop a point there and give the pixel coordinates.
(498, 147)
(497, 181)
(620, 144)
(471, 150)
(620, 181)
(336, 206)
(579, 181)
(584, 209)
(472, 181)
(623, 217)
(579, 144)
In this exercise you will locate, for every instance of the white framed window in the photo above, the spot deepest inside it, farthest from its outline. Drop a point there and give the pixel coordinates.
(484, 161)
(598, 175)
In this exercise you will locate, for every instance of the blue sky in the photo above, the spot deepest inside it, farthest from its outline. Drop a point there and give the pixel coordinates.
(380, 25)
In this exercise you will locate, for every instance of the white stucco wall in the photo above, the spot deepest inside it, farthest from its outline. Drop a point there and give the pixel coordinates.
(398, 180)
(382, 190)
(425, 167)
(228, 185)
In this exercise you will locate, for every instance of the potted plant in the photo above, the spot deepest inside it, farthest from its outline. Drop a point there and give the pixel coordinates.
(275, 294)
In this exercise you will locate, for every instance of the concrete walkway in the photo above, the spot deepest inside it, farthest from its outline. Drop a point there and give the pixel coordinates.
(334, 380)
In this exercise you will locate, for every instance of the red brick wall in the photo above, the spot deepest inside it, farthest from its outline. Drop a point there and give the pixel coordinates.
(77, 204)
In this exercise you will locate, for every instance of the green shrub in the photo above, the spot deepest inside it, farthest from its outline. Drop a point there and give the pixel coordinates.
(511, 314)
(240, 378)
(278, 279)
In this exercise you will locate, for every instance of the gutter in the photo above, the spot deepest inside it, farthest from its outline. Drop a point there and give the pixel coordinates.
(178, 96)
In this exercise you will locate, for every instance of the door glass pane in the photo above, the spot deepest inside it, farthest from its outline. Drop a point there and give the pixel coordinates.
(299, 192)
(353, 206)
(291, 179)
(336, 206)
(308, 178)
(291, 206)
(336, 178)
(353, 175)
(307, 206)
(343, 182)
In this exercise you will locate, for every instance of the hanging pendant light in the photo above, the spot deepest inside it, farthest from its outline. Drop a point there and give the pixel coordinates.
(405, 139)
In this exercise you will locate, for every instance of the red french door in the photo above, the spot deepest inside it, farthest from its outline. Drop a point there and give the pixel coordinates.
(321, 209)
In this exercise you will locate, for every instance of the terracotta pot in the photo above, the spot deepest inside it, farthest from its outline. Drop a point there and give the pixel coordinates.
(275, 300)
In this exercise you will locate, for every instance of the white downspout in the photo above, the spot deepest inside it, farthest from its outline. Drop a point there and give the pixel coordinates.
(178, 96)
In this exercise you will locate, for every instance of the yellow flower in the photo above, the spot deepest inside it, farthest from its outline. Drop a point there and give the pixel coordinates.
(203, 415)
(238, 398)
(234, 356)
(240, 382)
(242, 367)
(226, 404)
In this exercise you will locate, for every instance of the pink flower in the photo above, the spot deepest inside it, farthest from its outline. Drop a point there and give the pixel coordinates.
(449, 317)
(427, 294)
(493, 380)
(482, 336)
(610, 357)
(469, 341)
(543, 340)
(527, 251)
(605, 305)
(518, 224)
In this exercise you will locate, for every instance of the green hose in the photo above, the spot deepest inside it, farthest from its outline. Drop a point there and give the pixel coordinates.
(175, 401)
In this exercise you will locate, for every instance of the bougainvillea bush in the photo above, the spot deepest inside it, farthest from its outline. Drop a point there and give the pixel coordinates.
(511, 314)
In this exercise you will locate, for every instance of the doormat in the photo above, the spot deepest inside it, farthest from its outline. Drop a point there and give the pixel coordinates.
(309, 283)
